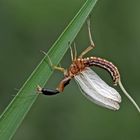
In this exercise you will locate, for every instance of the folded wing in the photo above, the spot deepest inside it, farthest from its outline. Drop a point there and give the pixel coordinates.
(95, 89)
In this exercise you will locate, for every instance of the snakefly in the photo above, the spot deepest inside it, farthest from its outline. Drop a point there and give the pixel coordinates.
(91, 85)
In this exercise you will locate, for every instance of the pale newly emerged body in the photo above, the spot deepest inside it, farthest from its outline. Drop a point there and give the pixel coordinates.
(91, 85)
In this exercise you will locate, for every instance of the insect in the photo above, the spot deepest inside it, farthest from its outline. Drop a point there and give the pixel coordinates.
(91, 85)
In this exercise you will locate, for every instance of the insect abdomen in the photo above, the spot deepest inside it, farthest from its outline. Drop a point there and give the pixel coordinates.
(111, 68)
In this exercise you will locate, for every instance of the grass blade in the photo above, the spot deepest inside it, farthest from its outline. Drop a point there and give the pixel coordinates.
(13, 115)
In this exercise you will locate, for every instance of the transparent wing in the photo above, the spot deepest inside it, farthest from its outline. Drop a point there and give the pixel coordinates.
(95, 89)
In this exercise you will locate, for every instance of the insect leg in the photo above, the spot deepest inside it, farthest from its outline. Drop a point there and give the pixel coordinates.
(90, 39)
(89, 33)
(52, 65)
(62, 84)
(73, 53)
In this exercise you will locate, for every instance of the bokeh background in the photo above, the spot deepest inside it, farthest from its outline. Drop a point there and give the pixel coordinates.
(28, 26)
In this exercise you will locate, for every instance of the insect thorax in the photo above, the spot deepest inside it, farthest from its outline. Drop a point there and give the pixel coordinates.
(76, 67)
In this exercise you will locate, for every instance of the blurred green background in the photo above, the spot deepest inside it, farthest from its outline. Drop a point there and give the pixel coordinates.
(28, 26)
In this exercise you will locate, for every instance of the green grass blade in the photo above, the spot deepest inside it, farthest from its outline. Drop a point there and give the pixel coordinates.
(21, 104)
